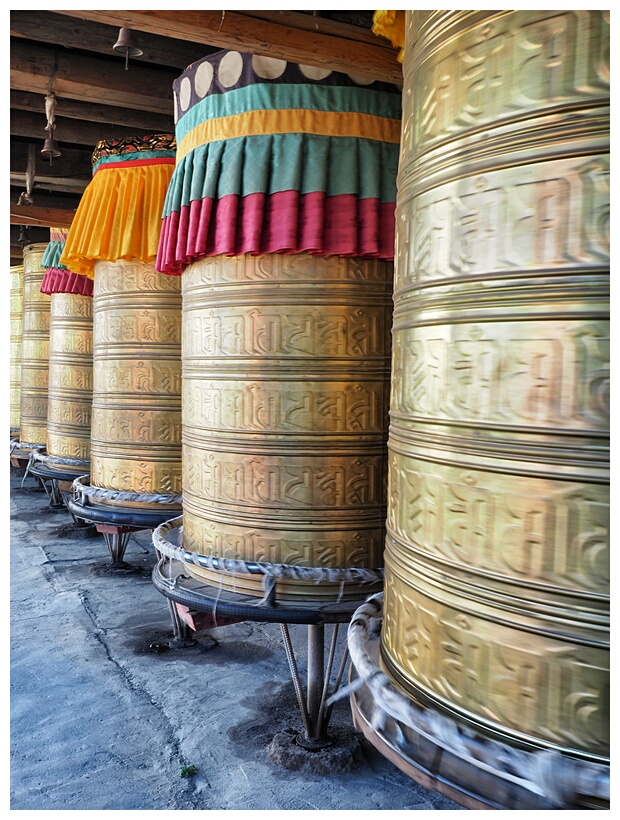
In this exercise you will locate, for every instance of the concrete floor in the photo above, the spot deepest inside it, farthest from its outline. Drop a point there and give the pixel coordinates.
(104, 716)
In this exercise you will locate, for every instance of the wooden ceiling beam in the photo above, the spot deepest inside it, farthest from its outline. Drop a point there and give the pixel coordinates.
(31, 125)
(41, 216)
(73, 162)
(65, 185)
(90, 79)
(231, 29)
(47, 27)
(320, 25)
(65, 200)
(140, 121)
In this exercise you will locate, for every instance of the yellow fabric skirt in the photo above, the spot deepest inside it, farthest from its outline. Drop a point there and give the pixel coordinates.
(119, 217)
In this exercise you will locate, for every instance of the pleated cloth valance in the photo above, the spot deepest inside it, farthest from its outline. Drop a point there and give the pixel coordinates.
(57, 278)
(119, 215)
(276, 157)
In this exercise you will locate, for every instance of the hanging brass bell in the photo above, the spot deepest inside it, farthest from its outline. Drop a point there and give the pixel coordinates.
(125, 45)
(50, 148)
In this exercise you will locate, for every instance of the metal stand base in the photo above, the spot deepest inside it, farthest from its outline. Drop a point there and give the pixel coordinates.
(56, 481)
(116, 539)
(314, 714)
(314, 739)
(53, 493)
(343, 755)
(182, 633)
(116, 523)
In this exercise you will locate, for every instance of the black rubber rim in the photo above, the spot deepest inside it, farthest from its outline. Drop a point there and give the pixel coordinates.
(121, 516)
(44, 471)
(229, 605)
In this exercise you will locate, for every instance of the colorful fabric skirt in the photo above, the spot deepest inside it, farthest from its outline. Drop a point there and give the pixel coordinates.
(275, 157)
(119, 215)
(57, 278)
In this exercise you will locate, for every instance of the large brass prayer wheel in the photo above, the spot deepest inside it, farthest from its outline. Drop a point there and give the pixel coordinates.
(497, 554)
(35, 349)
(16, 319)
(285, 391)
(136, 412)
(70, 378)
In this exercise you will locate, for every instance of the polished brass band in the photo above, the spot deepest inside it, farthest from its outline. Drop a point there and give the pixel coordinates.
(16, 320)
(70, 377)
(497, 555)
(136, 415)
(35, 349)
(285, 390)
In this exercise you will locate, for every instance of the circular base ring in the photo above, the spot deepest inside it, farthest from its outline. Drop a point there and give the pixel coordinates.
(119, 516)
(46, 469)
(96, 508)
(169, 579)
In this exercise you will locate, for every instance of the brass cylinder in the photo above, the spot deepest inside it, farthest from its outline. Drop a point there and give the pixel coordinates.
(497, 556)
(35, 349)
(16, 320)
(285, 390)
(70, 377)
(136, 412)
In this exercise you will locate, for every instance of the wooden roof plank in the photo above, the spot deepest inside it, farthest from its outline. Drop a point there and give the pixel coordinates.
(231, 29)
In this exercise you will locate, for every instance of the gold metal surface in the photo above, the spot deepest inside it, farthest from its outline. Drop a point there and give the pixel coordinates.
(497, 554)
(285, 390)
(70, 377)
(35, 349)
(136, 414)
(16, 319)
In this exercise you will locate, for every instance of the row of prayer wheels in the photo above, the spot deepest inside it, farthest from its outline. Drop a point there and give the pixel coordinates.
(243, 361)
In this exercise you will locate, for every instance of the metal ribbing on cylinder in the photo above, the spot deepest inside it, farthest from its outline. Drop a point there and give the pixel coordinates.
(285, 388)
(35, 349)
(70, 377)
(497, 555)
(136, 415)
(16, 319)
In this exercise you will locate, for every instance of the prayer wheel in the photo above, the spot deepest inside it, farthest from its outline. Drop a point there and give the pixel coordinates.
(279, 216)
(35, 350)
(136, 422)
(285, 390)
(16, 319)
(135, 439)
(496, 600)
(70, 360)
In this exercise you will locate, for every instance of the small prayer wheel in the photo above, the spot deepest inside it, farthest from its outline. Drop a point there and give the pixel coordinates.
(136, 421)
(16, 319)
(70, 360)
(135, 439)
(35, 349)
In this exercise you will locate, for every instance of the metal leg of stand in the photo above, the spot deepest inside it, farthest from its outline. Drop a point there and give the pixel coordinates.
(117, 544)
(55, 496)
(316, 676)
(182, 632)
(314, 715)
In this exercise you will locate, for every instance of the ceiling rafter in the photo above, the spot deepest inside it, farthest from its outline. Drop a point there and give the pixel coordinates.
(232, 29)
